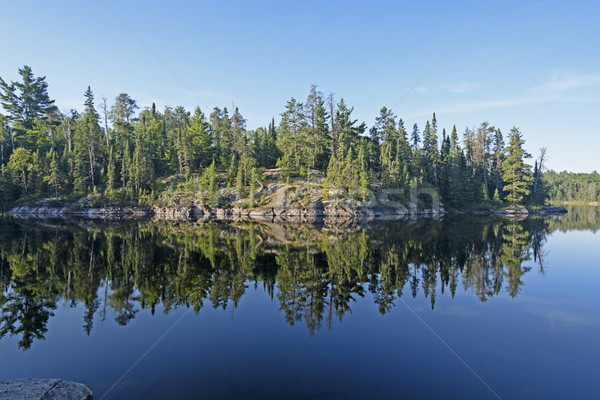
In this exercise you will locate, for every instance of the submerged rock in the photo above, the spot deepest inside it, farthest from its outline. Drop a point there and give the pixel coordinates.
(43, 389)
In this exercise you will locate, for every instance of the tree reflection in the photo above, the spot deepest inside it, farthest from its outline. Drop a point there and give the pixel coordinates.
(315, 273)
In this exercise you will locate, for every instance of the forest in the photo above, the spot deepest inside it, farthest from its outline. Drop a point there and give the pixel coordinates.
(116, 153)
(573, 187)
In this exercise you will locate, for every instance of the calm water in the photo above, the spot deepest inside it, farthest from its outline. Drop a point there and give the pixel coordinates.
(460, 308)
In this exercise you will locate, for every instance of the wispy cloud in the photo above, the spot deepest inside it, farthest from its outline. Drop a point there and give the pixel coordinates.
(561, 82)
(563, 311)
(463, 87)
(561, 88)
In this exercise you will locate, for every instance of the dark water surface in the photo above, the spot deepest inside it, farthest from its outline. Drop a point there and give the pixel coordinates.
(465, 307)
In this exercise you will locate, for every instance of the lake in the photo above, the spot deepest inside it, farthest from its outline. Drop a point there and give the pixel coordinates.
(460, 307)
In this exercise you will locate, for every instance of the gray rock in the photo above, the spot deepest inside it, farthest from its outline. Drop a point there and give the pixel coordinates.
(549, 210)
(43, 389)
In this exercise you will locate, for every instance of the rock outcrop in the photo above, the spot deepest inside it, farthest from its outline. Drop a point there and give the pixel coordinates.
(43, 389)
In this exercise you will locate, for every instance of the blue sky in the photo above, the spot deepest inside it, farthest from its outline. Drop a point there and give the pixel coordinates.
(531, 64)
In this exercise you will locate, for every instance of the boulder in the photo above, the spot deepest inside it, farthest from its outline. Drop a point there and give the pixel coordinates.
(43, 389)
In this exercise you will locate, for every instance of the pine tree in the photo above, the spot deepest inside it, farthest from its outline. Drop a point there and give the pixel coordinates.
(209, 181)
(430, 153)
(316, 114)
(54, 178)
(516, 175)
(142, 172)
(86, 145)
(182, 144)
(498, 157)
(415, 137)
(481, 154)
(363, 178)
(27, 100)
(293, 137)
(123, 109)
(200, 139)
(239, 139)
(221, 127)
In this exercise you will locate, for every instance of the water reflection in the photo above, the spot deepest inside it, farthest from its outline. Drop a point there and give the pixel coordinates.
(315, 273)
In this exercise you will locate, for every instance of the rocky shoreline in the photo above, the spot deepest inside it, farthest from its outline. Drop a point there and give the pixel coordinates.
(43, 389)
(309, 213)
(219, 213)
(522, 212)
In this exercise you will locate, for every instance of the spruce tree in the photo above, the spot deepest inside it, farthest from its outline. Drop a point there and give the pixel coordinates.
(516, 175)
(54, 178)
(200, 139)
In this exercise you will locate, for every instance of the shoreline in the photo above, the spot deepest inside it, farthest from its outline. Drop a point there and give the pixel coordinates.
(304, 214)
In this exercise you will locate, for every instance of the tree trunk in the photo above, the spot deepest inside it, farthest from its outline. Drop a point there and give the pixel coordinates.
(91, 155)
(333, 136)
(24, 178)
(106, 133)
(539, 169)
(485, 180)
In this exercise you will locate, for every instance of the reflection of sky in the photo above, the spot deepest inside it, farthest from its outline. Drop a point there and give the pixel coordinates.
(541, 345)
(572, 267)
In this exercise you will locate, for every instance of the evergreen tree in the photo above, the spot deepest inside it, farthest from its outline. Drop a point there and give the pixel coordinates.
(415, 137)
(200, 139)
(293, 137)
(142, 172)
(181, 138)
(498, 157)
(239, 139)
(123, 109)
(482, 154)
(126, 164)
(209, 181)
(111, 174)
(316, 114)
(516, 175)
(221, 127)
(27, 100)
(430, 153)
(54, 178)
(88, 139)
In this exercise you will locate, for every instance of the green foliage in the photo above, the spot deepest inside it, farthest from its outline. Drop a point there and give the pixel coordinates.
(516, 175)
(27, 100)
(210, 181)
(569, 186)
(19, 166)
(134, 157)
